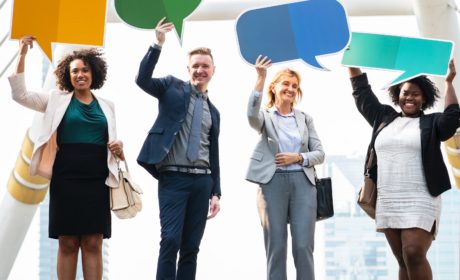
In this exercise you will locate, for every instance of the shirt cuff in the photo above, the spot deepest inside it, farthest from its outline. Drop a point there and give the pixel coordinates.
(306, 162)
(257, 93)
(156, 46)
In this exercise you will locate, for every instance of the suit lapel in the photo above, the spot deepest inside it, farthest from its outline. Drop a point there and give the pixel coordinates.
(214, 122)
(187, 87)
(271, 113)
(109, 115)
(301, 123)
(62, 105)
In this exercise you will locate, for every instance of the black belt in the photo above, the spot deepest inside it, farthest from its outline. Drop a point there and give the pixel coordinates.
(288, 171)
(190, 170)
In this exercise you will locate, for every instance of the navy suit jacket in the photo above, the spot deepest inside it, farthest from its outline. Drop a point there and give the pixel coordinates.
(173, 97)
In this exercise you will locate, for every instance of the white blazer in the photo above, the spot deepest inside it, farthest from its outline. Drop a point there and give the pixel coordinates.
(262, 164)
(54, 106)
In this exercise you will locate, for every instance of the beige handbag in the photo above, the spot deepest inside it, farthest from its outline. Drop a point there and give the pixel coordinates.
(125, 200)
(367, 197)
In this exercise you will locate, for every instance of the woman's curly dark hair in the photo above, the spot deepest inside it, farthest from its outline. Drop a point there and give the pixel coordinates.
(429, 90)
(91, 57)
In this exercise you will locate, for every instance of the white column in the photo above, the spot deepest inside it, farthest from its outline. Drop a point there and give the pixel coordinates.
(18, 207)
(438, 19)
(15, 219)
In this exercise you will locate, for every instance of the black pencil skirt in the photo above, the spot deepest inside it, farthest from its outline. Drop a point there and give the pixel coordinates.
(79, 197)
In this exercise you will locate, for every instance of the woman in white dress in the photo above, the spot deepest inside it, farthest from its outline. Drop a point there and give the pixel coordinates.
(410, 167)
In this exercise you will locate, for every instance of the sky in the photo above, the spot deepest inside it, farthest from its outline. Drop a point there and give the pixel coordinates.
(232, 247)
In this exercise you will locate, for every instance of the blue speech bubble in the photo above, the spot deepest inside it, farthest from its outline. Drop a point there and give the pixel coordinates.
(302, 30)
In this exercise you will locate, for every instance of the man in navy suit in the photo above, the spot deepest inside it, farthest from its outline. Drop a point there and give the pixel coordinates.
(181, 151)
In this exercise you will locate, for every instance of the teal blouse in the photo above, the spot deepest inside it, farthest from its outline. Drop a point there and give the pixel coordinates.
(83, 123)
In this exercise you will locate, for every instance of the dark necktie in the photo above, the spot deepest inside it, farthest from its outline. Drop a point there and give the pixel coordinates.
(195, 130)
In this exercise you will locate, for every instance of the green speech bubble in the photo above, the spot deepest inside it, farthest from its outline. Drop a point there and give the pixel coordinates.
(145, 14)
(414, 56)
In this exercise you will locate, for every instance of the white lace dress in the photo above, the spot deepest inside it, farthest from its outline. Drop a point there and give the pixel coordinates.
(403, 200)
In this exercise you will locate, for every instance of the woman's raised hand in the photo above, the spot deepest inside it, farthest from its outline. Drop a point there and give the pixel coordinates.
(25, 43)
(450, 97)
(161, 29)
(451, 72)
(262, 63)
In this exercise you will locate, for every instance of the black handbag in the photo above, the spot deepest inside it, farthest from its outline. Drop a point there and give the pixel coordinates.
(325, 205)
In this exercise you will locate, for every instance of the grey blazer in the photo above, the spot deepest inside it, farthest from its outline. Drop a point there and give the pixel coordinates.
(262, 165)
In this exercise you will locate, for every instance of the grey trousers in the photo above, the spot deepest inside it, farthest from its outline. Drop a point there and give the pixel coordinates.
(288, 199)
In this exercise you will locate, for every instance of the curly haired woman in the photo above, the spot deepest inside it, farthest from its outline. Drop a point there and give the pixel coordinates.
(76, 149)
(410, 168)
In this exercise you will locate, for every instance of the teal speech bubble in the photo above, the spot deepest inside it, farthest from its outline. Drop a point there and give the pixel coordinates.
(414, 56)
(145, 14)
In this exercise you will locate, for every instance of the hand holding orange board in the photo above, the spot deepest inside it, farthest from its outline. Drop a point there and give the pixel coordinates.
(60, 21)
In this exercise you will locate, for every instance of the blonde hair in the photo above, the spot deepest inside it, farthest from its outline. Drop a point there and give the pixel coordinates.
(275, 80)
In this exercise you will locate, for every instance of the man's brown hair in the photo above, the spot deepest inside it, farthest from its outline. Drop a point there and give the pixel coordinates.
(202, 51)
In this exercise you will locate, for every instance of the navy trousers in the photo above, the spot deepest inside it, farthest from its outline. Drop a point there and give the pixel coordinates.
(184, 205)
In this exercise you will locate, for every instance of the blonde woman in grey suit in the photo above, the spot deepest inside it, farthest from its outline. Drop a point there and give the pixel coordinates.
(282, 164)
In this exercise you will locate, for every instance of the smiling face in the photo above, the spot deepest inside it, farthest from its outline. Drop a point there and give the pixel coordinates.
(201, 69)
(80, 75)
(285, 90)
(411, 100)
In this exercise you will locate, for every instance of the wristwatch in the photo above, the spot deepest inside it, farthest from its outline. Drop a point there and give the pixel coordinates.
(300, 161)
